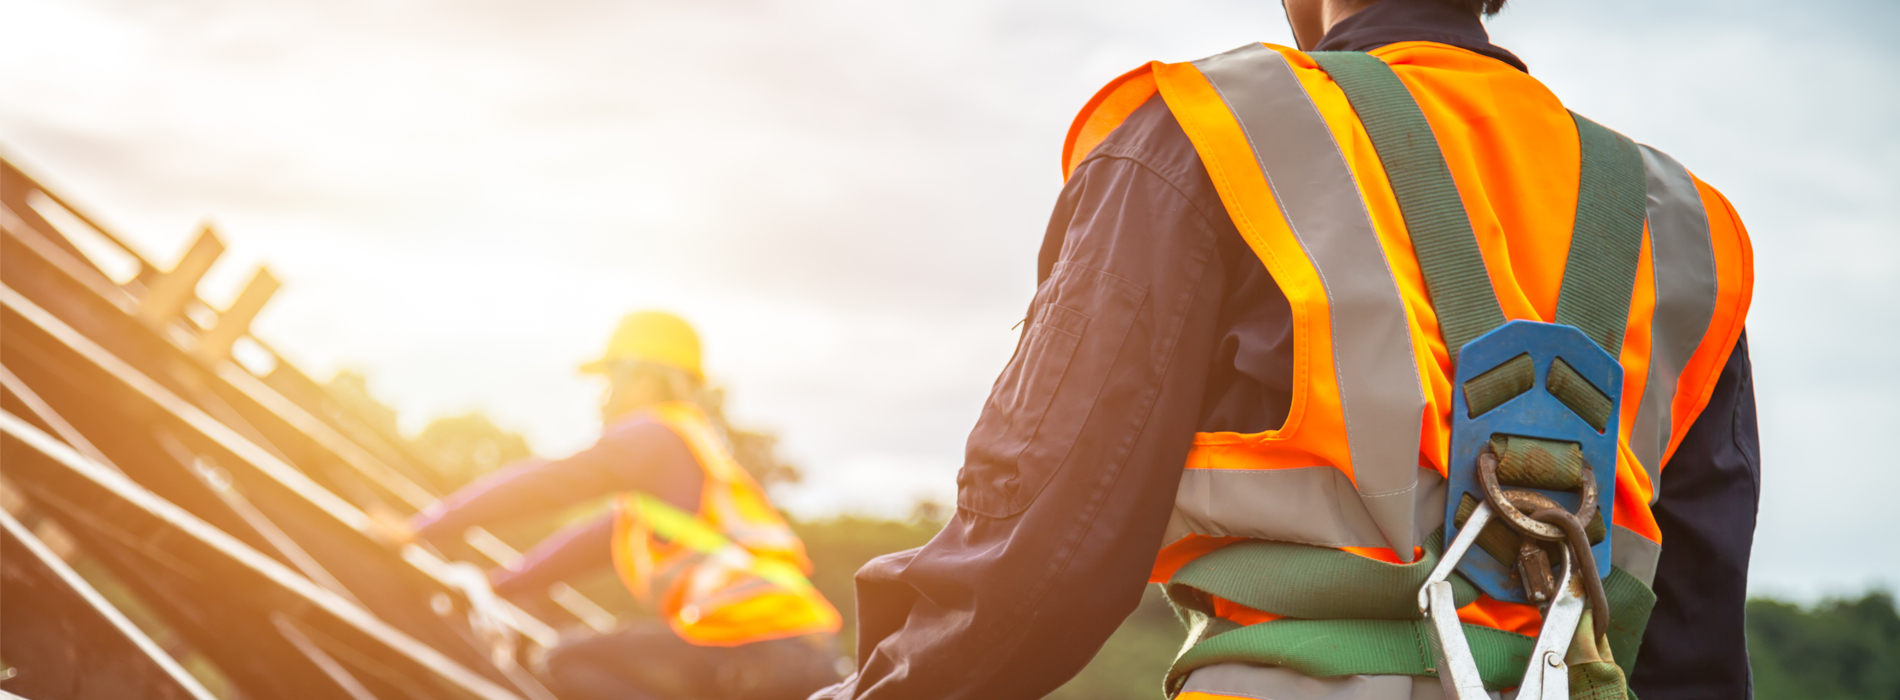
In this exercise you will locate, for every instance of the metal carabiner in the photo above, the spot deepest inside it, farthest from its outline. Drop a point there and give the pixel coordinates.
(1547, 677)
(1457, 668)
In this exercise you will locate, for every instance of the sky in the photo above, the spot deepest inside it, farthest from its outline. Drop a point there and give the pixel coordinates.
(847, 196)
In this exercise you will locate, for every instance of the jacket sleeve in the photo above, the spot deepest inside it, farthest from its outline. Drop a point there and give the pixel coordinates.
(1070, 473)
(575, 550)
(636, 455)
(523, 489)
(1695, 645)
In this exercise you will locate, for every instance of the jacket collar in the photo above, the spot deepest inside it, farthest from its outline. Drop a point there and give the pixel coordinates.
(1393, 21)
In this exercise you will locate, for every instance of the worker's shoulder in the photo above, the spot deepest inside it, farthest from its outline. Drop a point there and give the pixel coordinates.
(640, 430)
(1151, 139)
(1671, 177)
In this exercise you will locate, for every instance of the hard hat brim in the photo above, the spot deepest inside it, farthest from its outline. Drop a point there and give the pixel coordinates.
(605, 367)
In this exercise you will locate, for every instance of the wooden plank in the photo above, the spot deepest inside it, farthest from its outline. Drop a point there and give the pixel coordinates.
(333, 531)
(42, 465)
(16, 185)
(165, 299)
(235, 322)
(66, 641)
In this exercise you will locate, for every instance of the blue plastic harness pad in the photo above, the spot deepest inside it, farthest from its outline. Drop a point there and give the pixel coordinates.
(1534, 413)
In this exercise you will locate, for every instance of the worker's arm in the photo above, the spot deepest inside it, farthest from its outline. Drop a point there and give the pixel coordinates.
(577, 549)
(634, 455)
(1070, 473)
(1695, 646)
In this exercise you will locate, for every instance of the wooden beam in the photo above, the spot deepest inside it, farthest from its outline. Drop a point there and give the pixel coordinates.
(43, 465)
(235, 322)
(167, 297)
(326, 525)
(66, 640)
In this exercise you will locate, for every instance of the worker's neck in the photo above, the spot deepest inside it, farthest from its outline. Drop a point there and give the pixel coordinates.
(1392, 21)
(625, 409)
(1312, 19)
(1336, 11)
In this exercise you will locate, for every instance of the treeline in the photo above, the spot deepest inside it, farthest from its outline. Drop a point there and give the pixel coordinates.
(1838, 649)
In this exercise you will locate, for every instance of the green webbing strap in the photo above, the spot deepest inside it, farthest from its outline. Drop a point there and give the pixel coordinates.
(1435, 217)
(1328, 648)
(1583, 398)
(1500, 384)
(1536, 463)
(1598, 680)
(1298, 580)
(1612, 202)
(1322, 648)
(1630, 600)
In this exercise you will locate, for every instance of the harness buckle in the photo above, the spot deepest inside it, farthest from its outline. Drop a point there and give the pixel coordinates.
(1552, 389)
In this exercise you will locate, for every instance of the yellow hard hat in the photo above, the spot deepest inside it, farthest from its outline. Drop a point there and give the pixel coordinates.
(651, 336)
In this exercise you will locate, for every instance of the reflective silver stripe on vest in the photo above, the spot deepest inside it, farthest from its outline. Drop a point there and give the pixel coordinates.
(1307, 505)
(1685, 301)
(1634, 553)
(1275, 683)
(1379, 389)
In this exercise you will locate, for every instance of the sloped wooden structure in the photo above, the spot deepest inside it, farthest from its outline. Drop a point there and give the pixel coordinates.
(226, 503)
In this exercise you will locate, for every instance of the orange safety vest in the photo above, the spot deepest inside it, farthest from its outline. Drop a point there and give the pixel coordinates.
(731, 573)
(1360, 463)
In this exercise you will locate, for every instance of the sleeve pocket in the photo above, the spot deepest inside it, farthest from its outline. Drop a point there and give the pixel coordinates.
(1035, 411)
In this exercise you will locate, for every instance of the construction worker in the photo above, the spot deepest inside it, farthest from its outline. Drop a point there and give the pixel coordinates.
(690, 533)
(1239, 371)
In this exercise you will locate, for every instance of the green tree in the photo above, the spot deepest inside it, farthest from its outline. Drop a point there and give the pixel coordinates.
(1840, 648)
(464, 447)
(350, 389)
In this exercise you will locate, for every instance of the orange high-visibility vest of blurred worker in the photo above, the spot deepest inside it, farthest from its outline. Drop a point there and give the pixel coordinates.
(731, 572)
(1360, 463)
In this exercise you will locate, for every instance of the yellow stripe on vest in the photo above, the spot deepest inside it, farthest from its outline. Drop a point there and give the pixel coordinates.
(679, 527)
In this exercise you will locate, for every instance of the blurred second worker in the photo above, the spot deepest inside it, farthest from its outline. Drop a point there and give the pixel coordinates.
(690, 533)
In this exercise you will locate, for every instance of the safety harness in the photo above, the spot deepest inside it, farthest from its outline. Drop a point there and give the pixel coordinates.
(1532, 464)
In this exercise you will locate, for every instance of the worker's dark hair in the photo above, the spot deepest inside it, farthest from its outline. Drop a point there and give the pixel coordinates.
(1481, 7)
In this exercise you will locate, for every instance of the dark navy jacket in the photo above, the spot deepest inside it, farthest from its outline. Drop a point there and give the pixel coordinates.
(1187, 332)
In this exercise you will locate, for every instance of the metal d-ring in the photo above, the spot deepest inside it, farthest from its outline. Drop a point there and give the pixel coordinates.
(1515, 505)
(1500, 500)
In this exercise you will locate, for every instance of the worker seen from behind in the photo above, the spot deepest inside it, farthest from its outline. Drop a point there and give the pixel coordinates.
(1282, 288)
(690, 533)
